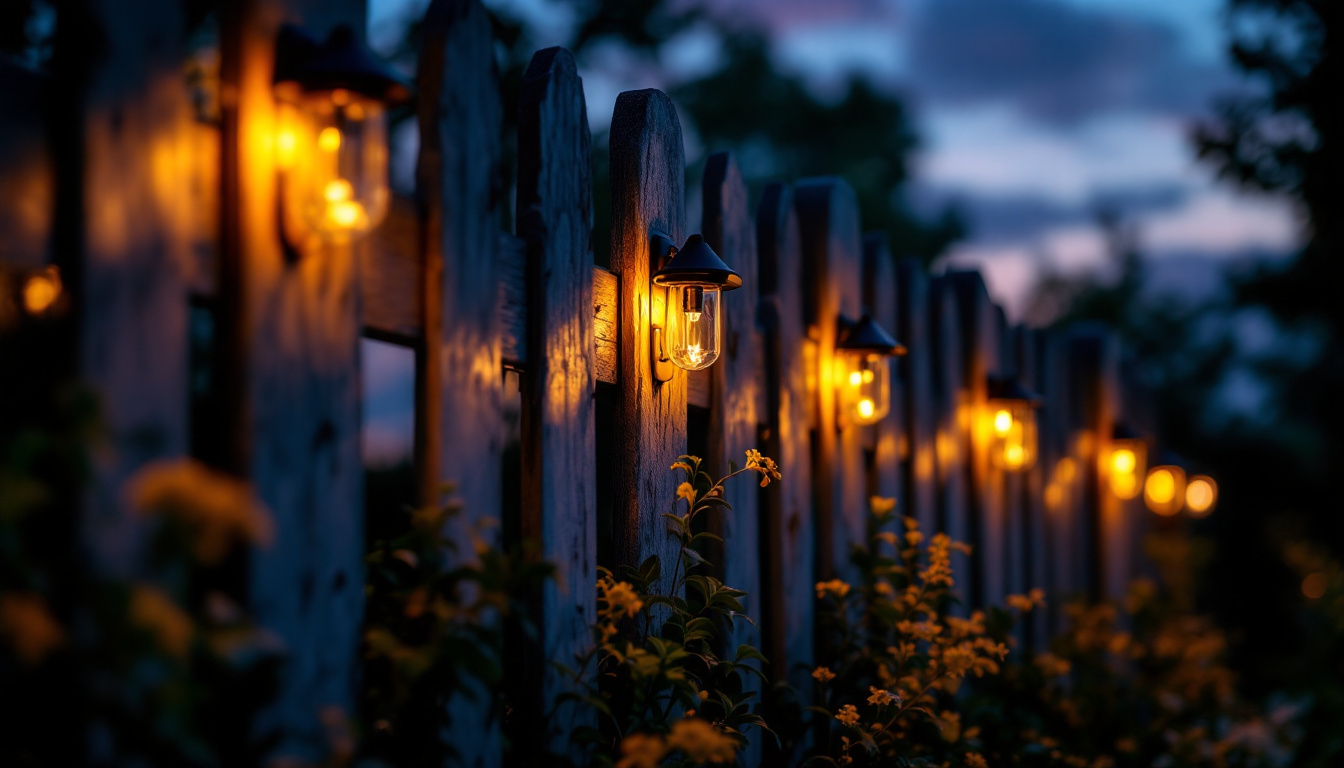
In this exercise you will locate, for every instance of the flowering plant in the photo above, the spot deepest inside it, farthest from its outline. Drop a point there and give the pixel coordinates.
(668, 692)
(898, 654)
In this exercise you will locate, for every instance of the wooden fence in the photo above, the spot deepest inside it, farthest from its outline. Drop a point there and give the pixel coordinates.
(153, 213)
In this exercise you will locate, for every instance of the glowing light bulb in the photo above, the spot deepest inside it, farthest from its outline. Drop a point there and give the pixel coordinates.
(1013, 454)
(1123, 461)
(1200, 494)
(345, 214)
(866, 408)
(285, 143)
(1161, 486)
(41, 290)
(1003, 421)
(329, 140)
(855, 378)
(338, 191)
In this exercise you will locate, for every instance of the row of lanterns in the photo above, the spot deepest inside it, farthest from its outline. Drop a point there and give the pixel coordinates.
(1165, 487)
(331, 149)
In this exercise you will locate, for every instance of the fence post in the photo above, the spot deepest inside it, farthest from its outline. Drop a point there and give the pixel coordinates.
(729, 230)
(1032, 502)
(950, 402)
(915, 372)
(980, 350)
(787, 514)
(1016, 485)
(883, 439)
(555, 213)
(1092, 364)
(120, 238)
(828, 217)
(291, 326)
(460, 385)
(648, 169)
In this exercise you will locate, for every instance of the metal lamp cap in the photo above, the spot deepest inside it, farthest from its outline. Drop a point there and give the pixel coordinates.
(867, 335)
(697, 264)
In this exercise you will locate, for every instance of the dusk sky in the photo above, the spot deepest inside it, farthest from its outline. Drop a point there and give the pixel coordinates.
(1032, 113)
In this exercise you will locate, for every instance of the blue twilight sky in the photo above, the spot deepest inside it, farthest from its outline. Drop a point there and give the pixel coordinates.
(1031, 112)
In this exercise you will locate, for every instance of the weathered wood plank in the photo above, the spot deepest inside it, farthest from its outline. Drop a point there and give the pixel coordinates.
(130, 268)
(980, 349)
(787, 506)
(460, 124)
(390, 272)
(883, 438)
(511, 258)
(729, 229)
(293, 323)
(1015, 484)
(828, 220)
(915, 372)
(950, 398)
(1032, 350)
(1092, 361)
(555, 212)
(606, 328)
(647, 192)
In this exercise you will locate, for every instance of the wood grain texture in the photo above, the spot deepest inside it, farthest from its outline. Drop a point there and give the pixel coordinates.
(915, 372)
(459, 177)
(786, 506)
(606, 327)
(293, 324)
(980, 349)
(828, 220)
(882, 439)
(730, 230)
(134, 258)
(1014, 483)
(390, 272)
(950, 397)
(514, 317)
(555, 213)
(647, 192)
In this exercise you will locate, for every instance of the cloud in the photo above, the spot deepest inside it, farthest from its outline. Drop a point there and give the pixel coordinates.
(1056, 62)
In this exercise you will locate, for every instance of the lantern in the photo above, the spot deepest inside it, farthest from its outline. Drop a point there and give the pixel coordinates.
(331, 142)
(1164, 488)
(864, 369)
(695, 278)
(1201, 494)
(1012, 413)
(1126, 463)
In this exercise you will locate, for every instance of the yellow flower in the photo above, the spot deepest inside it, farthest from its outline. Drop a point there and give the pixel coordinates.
(950, 724)
(216, 509)
(27, 623)
(881, 505)
(701, 742)
(1037, 596)
(682, 465)
(1052, 666)
(848, 714)
(974, 760)
(764, 465)
(833, 587)
(1020, 603)
(154, 611)
(642, 750)
(823, 675)
(913, 538)
(878, 696)
(620, 597)
(686, 491)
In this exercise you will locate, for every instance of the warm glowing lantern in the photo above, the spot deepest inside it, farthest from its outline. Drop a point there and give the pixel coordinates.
(864, 357)
(1126, 462)
(1201, 494)
(695, 278)
(331, 139)
(1012, 424)
(1164, 490)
